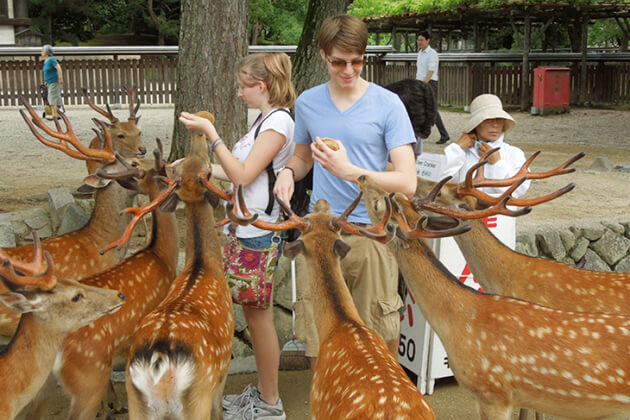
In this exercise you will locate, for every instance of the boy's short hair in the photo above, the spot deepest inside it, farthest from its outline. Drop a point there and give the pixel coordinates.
(348, 33)
(425, 34)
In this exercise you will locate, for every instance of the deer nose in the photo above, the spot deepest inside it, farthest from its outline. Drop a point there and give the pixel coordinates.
(362, 178)
(142, 150)
(121, 295)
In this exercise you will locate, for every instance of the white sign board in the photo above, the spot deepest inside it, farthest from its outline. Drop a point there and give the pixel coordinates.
(429, 166)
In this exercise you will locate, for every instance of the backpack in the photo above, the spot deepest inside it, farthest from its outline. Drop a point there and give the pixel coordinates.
(302, 189)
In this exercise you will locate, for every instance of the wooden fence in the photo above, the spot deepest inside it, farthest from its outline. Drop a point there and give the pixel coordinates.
(104, 79)
(462, 76)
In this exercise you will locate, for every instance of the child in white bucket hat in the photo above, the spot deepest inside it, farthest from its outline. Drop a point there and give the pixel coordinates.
(485, 130)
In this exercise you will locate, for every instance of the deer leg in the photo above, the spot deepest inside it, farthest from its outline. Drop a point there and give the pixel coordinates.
(523, 414)
(217, 407)
(87, 401)
(112, 403)
(493, 411)
(540, 416)
(37, 407)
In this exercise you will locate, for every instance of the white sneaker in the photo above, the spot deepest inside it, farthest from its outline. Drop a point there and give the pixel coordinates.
(257, 409)
(234, 402)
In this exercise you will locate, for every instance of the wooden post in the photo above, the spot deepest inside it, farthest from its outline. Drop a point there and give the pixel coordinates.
(527, 29)
(476, 38)
(583, 64)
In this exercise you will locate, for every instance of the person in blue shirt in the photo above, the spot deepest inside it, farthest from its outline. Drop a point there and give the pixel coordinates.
(370, 124)
(52, 79)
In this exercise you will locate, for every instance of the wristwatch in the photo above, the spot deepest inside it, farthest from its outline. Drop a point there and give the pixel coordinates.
(286, 167)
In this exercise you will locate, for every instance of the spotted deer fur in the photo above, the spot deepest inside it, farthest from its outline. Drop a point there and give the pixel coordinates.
(510, 352)
(180, 354)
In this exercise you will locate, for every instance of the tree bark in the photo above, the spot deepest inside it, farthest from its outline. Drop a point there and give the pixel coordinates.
(212, 40)
(308, 68)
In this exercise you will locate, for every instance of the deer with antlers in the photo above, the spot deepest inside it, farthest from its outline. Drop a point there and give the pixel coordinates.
(88, 354)
(180, 354)
(356, 376)
(77, 253)
(509, 352)
(125, 135)
(50, 309)
(506, 272)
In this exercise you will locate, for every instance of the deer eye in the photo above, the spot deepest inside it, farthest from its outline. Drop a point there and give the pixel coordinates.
(77, 297)
(121, 136)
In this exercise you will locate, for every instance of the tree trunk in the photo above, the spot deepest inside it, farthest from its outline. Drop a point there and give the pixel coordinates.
(212, 40)
(308, 68)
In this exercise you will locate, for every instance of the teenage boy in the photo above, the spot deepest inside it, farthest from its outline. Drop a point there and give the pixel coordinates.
(371, 123)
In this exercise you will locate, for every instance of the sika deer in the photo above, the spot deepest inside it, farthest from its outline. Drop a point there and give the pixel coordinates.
(503, 271)
(87, 356)
(76, 253)
(509, 352)
(356, 376)
(50, 309)
(125, 135)
(180, 354)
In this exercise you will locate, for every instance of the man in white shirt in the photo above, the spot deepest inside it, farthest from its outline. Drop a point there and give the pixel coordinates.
(427, 70)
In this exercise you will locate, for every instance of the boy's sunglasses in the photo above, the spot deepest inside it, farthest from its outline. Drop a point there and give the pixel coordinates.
(338, 64)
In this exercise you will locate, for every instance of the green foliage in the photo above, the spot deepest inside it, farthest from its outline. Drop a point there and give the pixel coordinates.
(363, 8)
(61, 20)
(277, 21)
(605, 33)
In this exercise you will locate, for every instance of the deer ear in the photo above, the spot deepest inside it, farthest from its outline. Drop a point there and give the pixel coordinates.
(95, 182)
(442, 222)
(292, 249)
(212, 199)
(170, 204)
(18, 302)
(341, 248)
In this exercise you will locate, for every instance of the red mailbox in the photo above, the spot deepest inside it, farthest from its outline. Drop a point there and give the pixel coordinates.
(552, 86)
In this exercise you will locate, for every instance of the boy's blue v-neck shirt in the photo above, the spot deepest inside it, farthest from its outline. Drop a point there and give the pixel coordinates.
(375, 124)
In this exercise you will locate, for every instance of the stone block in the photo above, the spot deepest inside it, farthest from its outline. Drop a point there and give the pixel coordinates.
(73, 219)
(282, 320)
(242, 365)
(615, 227)
(550, 243)
(623, 167)
(240, 349)
(594, 262)
(579, 250)
(7, 236)
(282, 284)
(611, 247)
(58, 200)
(601, 164)
(568, 239)
(25, 221)
(593, 233)
(623, 266)
(526, 244)
(239, 318)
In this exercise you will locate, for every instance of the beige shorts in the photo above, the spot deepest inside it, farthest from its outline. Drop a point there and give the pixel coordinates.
(371, 273)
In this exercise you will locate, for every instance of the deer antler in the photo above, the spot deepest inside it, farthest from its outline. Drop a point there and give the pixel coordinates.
(139, 212)
(107, 114)
(383, 232)
(131, 93)
(481, 181)
(81, 152)
(294, 221)
(498, 204)
(420, 231)
(39, 272)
